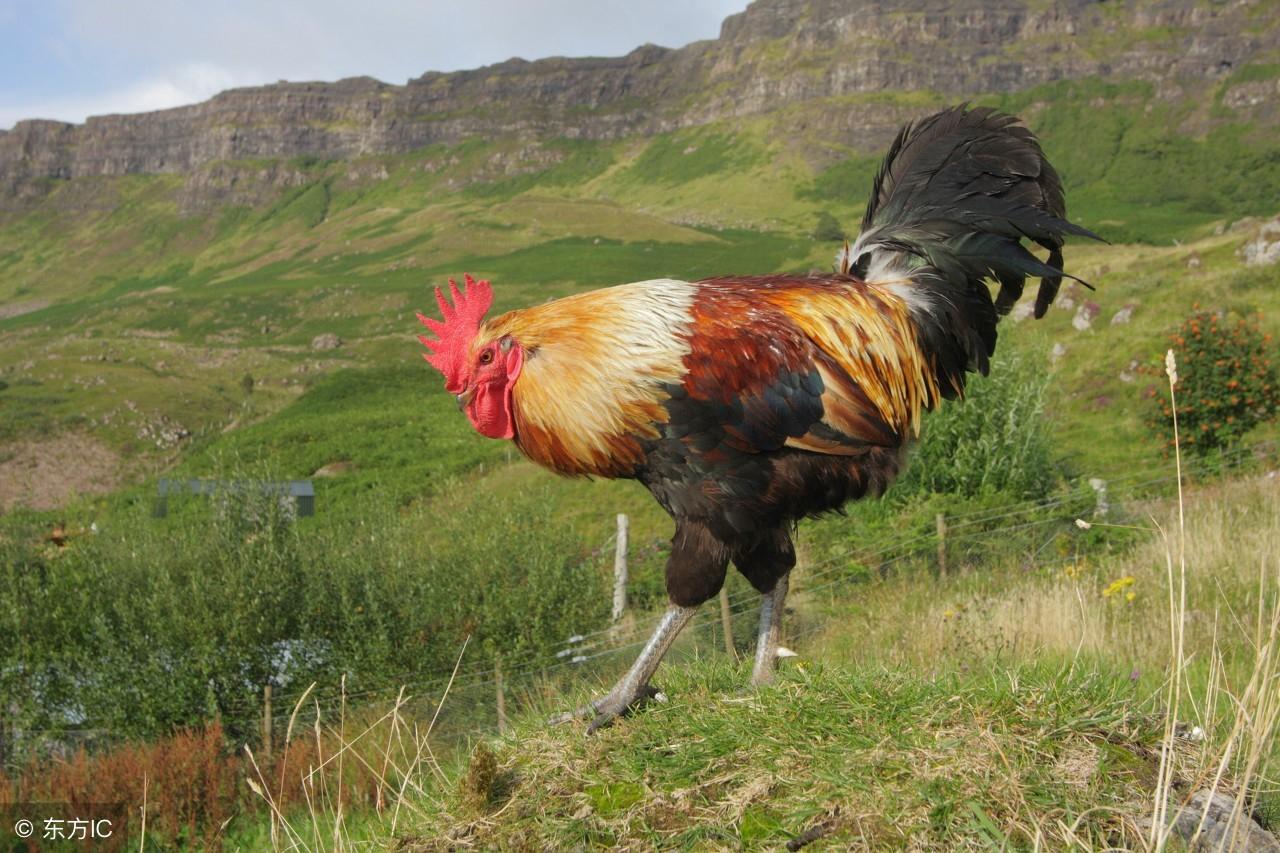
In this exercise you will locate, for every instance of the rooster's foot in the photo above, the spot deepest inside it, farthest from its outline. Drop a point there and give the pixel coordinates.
(613, 706)
(609, 707)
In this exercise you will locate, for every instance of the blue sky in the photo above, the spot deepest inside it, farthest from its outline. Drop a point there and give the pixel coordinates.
(67, 59)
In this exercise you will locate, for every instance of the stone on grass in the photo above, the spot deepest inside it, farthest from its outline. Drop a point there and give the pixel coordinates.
(335, 469)
(1085, 315)
(1209, 821)
(326, 341)
(1124, 315)
(1263, 249)
(1022, 311)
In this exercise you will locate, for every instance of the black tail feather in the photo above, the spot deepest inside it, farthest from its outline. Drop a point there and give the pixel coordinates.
(955, 197)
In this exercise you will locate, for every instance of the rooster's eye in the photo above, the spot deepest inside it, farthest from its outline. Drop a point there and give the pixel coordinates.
(486, 356)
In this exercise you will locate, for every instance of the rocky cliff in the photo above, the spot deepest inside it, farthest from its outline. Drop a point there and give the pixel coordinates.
(774, 54)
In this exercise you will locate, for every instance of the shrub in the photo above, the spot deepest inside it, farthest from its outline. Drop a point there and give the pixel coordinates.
(827, 229)
(193, 780)
(154, 624)
(995, 440)
(1226, 382)
(188, 780)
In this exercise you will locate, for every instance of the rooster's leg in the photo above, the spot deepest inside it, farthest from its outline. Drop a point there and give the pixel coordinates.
(767, 637)
(634, 686)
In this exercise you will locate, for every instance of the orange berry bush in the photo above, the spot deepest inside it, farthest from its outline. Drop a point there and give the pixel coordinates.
(1226, 382)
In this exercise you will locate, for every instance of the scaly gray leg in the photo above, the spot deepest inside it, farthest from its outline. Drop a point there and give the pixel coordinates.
(634, 686)
(767, 636)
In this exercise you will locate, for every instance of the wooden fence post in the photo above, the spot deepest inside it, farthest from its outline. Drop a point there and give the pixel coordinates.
(620, 569)
(266, 720)
(726, 624)
(4, 739)
(942, 545)
(502, 697)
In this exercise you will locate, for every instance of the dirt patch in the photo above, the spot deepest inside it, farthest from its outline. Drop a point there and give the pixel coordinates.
(17, 309)
(44, 474)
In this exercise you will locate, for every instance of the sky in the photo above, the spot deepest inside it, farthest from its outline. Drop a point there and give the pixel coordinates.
(68, 59)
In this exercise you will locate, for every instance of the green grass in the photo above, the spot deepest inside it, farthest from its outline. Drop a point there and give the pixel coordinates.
(1006, 706)
(922, 728)
(395, 425)
(353, 255)
(854, 756)
(1130, 179)
(578, 161)
(685, 156)
(1253, 72)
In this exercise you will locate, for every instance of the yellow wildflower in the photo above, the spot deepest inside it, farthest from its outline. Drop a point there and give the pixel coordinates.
(1118, 585)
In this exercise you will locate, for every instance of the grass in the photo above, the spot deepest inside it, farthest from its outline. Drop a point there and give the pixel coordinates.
(1012, 706)
(399, 433)
(170, 310)
(865, 757)
(1060, 609)
(350, 249)
(1021, 724)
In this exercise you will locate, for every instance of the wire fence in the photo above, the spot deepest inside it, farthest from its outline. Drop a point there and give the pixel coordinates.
(593, 657)
(587, 645)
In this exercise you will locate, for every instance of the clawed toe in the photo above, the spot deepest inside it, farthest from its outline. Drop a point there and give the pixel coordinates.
(576, 714)
(611, 707)
(608, 708)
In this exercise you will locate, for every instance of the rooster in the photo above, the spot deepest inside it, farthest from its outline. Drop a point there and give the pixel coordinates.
(745, 403)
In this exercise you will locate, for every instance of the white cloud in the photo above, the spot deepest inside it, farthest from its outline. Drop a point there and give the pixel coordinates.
(389, 39)
(151, 54)
(186, 84)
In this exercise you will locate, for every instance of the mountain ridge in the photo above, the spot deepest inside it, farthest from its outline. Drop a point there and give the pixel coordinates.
(774, 54)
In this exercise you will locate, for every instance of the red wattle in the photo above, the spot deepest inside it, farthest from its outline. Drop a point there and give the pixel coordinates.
(490, 411)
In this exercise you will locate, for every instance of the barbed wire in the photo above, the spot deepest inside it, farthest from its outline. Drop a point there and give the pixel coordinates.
(616, 640)
(955, 522)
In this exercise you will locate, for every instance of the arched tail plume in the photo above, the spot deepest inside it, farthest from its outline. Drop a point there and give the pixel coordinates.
(954, 199)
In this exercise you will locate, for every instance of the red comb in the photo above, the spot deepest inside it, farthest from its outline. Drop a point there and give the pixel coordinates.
(461, 322)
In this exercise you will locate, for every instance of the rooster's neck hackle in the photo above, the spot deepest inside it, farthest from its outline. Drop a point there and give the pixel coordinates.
(595, 366)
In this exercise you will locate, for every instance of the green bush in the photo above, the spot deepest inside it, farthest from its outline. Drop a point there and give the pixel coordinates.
(827, 229)
(1226, 383)
(995, 440)
(151, 624)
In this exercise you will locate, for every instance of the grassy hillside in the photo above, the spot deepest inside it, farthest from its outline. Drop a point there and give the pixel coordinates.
(864, 757)
(1015, 700)
(129, 317)
(1018, 705)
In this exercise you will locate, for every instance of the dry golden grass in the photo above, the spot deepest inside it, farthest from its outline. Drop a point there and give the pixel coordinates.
(1084, 607)
(989, 710)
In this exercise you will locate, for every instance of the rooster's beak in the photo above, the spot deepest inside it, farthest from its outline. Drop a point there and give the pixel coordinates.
(465, 397)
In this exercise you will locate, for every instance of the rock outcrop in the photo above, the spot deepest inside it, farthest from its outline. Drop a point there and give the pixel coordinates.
(776, 53)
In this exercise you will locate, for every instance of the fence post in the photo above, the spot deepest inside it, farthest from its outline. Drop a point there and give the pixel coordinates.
(1103, 506)
(502, 698)
(266, 719)
(620, 569)
(4, 739)
(942, 545)
(726, 623)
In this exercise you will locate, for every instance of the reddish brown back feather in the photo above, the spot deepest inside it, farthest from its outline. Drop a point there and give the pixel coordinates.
(747, 331)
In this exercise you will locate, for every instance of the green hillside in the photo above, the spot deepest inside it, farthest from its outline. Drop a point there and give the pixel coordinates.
(112, 294)
(144, 334)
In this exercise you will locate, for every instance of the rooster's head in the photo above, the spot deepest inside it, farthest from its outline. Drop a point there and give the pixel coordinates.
(478, 369)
